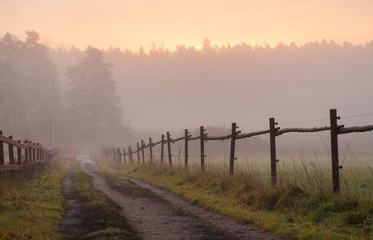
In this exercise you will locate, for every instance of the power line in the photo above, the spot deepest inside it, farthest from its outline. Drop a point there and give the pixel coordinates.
(243, 81)
(306, 121)
(358, 115)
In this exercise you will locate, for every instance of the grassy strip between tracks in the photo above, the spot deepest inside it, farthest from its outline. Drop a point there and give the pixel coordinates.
(101, 216)
(31, 202)
(289, 209)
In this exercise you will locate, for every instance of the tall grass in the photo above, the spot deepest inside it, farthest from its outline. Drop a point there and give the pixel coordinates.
(302, 203)
(31, 202)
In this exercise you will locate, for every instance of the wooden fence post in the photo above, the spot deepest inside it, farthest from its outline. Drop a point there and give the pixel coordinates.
(2, 162)
(272, 141)
(130, 158)
(124, 156)
(119, 155)
(10, 152)
(202, 142)
(26, 152)
(151, 149)
(33, 152)
(162, 148)
(138, 153)
(41, 152)
(186, 148)
(233, 148)
(142, 151)
(37, 152)
(334, 149)
(30, 151)
(19, 153)
(169, 149)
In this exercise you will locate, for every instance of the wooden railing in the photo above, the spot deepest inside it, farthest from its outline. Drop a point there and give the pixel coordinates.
(27, 153)
(273, 131)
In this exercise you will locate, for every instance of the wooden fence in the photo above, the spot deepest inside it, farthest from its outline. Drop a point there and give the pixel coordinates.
(32, 153)
(273, 131)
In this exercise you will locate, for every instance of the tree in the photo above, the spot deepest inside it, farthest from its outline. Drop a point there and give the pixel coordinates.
(91, 96)
(26, 86)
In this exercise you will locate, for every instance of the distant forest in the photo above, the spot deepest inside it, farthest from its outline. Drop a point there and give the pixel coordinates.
(165, 90)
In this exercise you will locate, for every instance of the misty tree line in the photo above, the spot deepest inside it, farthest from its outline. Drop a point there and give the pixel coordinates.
(30, 94)
(86, 107)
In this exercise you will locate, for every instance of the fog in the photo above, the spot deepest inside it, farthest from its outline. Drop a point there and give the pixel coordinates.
(127, 95)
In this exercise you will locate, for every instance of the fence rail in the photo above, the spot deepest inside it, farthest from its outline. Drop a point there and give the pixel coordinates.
(273, 132)
(32, 153)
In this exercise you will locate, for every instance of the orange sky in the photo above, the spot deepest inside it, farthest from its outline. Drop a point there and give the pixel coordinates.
(129, 24)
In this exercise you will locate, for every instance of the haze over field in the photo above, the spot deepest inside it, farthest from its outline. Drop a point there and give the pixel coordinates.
(178, 64)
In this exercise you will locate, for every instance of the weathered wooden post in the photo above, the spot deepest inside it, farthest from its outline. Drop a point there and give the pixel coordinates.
(119, 155)
(10, 151)
(334, 149)
(169, 149)
(37, 152)
(186, 148)
(202, 143)
(130, 158)
(124, 156)
(233, 148)
(42, 153)
(33, 152)
(30, 151)
(143, 151)
(19, 153)
(151, 149)
(272, 142)
(26, 152)
(2, 162)
(138, 153)
(162, 148)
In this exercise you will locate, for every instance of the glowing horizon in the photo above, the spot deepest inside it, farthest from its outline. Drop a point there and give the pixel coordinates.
(168, 23)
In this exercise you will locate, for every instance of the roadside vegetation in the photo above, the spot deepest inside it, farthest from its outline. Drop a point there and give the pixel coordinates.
(302, 205)
(31, 202)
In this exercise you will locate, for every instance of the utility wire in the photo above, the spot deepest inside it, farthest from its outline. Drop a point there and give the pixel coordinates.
(243, 81)
(358, 115)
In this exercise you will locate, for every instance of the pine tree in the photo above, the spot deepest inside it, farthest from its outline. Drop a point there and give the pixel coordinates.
(92, 99)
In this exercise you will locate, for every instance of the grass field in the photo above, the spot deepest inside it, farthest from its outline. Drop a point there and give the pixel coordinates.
(301, 206)
(31, 202)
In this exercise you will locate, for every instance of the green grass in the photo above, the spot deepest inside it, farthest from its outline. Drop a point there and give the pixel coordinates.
(301, 206)
(31, 204)
(108, 233)
(82, 183)
(102, 219)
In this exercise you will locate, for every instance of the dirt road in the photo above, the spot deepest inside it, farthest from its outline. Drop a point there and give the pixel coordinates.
(154, 213)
